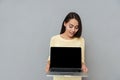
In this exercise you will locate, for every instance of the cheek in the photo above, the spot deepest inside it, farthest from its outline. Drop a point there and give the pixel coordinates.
(67, 28)
(76, 30)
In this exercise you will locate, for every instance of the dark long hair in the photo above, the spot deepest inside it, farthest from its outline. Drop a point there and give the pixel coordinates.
(73, 15)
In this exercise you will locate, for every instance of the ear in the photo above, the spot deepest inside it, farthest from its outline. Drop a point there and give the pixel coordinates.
(65, 24)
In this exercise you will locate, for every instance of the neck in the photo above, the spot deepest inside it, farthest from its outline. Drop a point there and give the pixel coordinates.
(65, 36)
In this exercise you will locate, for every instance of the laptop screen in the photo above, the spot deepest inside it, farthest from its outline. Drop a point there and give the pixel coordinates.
(65, 57)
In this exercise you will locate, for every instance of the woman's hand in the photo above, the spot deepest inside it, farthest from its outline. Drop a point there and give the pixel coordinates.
(84, 68)
(47, 66)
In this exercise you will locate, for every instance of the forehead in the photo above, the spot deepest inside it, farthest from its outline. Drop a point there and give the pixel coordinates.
(73, 21)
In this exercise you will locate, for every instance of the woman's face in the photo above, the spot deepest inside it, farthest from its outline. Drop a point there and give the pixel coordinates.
(71, 27)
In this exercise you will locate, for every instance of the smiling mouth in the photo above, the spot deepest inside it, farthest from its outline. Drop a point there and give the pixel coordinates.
(72, 34)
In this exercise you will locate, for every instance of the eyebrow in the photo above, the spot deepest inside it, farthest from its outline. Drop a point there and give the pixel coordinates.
(73, 25)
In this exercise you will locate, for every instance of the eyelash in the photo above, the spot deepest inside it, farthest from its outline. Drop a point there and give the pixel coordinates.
(72, 26)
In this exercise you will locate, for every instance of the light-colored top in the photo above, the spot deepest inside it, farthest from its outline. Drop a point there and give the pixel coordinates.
(58, 41)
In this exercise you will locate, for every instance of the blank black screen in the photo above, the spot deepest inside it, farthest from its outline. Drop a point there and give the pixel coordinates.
(65, 57)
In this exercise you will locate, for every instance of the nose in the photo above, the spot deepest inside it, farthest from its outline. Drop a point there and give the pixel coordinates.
(73, 29)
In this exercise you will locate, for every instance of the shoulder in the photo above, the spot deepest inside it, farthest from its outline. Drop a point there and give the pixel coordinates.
(81, 39)
(55, 37)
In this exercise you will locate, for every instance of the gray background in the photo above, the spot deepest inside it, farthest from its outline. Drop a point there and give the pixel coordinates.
(26, 27)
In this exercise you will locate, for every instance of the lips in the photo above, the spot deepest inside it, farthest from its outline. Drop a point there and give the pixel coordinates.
(72, 33)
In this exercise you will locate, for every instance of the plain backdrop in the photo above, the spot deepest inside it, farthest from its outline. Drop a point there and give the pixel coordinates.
(26, 27)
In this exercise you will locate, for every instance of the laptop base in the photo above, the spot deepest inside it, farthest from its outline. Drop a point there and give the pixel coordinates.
(69, 74)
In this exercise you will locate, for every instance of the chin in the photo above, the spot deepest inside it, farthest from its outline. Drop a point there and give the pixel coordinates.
(71, 36)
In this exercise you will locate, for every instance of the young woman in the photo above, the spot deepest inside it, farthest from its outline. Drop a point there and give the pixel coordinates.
(70, 36)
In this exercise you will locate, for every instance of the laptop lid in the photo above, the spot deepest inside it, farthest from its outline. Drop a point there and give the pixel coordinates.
(65, 58)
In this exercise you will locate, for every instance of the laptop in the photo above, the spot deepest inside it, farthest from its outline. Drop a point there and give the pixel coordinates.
(65, 61)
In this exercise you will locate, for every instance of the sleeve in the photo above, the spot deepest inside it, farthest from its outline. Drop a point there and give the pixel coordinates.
(83, 50)
(52, 41)
(51, 44)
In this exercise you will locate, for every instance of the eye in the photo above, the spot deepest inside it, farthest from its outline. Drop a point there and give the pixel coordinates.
(76, 27)
(71, 26)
